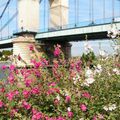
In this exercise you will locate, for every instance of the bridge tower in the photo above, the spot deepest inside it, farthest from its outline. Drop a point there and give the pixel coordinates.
(58, 13)
(28, 24)
(58, 19)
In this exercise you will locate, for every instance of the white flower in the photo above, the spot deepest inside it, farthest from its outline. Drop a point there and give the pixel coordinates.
(105, 108)
(3, 56)
(113, 33)
(88, 73)
(76, 78)
(116, 71)
(88, 81)
(66, 93)
(69, 109)
(81, 119)
(58, 97)
(110, 107)
(98, 69)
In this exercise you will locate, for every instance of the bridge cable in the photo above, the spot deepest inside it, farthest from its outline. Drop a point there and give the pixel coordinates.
(0, 27)
(104, 10)
(8, 19)
(14, 15)
(113, 10)
(17, 12)
(48, 14)
(5, 9)
(78, 10)
(92, 11)
(61, 15)
(44, 14)
(75, 13)
(2, 5)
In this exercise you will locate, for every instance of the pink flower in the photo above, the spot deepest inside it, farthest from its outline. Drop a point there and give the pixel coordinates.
(83, 107)
(12, 67)
(4, 67)
(57, 50)
(26, 105)
(10, 96)
(2, 90)
(19, 57)
(52, 91)
(37, 73)
(11, 79)
(56, 102)
(52, 84)
(67, 99)
(1, 104)
(12, 112)
(28, 82)
(36, 115)
(70, 114)
(37, 64)
(31, 48)
(78, 66)
(35, 91)
(60, 118)
(86, 95)
(26, 93)
(16, 92)
(34, 111)
(94, 118)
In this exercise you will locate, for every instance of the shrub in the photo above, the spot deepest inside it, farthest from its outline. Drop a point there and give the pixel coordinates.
(66, 91)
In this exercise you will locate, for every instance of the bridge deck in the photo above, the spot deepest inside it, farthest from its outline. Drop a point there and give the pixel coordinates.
(78, 34)
(75, 34)
(6, 43)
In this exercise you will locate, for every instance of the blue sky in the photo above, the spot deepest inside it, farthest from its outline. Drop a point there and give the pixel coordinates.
(82, 17)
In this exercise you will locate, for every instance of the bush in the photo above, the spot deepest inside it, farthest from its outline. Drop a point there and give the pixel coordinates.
(66, 91)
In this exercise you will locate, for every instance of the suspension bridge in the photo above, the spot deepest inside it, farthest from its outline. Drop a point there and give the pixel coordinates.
(52, 21)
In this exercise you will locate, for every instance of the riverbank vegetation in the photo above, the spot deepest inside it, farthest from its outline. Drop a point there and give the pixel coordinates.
(86, 88)
(5, 55)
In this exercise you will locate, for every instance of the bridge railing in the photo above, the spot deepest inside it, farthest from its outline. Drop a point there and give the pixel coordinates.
(82, 24)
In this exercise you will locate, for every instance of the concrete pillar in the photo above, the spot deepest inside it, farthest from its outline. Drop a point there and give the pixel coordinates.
(28, 25)
(21, 46)
(28, 15)
(58, 14)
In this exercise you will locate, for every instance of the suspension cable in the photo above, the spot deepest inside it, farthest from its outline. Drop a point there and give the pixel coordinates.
(8, 19)
(75, 12)
(1, 27)
(119, 8)
(104, 10)
(92, 11)
(5, 8)
(14, 15)
(113, 14)
(78, 11)
(3, 4)
(60, 15)
(44, 12)
(48, 14)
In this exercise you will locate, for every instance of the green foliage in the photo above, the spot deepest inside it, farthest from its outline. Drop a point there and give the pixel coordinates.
(4, 55)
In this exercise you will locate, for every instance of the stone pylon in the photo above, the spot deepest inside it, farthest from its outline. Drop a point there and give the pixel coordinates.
(21, 47)
(28, 25)
(58, 14)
